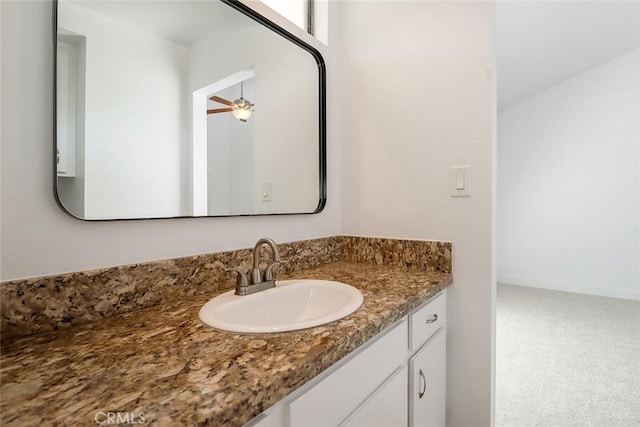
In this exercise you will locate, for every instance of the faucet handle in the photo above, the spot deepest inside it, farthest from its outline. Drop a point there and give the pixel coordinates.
(268, 273)
(242, 280)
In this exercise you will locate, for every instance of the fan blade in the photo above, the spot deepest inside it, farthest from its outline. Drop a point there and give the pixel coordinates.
(222, 101)
(219, 110)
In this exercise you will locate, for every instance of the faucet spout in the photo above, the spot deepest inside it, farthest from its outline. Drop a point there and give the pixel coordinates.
(256, 275)
(247, 285)
(256, 250)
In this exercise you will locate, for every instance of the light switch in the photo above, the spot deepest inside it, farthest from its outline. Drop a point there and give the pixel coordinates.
(460, 178)
(266, 191)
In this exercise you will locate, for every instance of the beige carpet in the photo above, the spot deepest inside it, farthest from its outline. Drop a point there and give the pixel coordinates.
(565, 359)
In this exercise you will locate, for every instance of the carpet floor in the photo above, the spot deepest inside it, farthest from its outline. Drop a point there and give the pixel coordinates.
(566, 359)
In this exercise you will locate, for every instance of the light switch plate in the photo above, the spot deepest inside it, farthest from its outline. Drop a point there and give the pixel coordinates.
(460, 181)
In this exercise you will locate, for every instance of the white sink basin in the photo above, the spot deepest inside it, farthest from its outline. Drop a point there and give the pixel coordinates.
(295, 304)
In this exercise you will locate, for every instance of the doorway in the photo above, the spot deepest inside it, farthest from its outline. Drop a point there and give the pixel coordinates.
(568, 213)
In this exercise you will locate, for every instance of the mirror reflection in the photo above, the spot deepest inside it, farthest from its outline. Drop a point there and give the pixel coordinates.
(184, 108)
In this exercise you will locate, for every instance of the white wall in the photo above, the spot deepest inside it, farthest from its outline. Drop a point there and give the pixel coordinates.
(242, 157)
(71, 189)
(218, 160)
(296, 12)
(569, 184)
(293, 10)
(231, 185)
(284, 139)
(148, 126)
(2, 39)
(421, 77)
(37, 238)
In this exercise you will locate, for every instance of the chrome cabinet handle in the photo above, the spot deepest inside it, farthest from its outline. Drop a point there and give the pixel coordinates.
(432, 319)
(424, 384)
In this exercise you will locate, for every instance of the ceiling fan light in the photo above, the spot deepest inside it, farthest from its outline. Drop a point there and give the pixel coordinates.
(242, 113)
(242, 103)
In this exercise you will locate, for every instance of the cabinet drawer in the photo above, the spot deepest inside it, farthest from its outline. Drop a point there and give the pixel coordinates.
(333, 399)
(427, 320)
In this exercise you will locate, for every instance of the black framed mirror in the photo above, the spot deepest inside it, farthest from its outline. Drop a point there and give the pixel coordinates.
(181, 108)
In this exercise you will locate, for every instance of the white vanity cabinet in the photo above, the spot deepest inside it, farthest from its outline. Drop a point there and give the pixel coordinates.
(427, 364)
(387, 406)
(396, 379)
(333, 400)
(427, 390)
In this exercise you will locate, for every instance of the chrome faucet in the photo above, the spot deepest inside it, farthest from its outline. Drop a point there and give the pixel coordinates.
(256, 276)
(257, 281)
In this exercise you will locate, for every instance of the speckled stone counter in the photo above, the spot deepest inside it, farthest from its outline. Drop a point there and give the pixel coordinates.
(43, 304)
(163, 362)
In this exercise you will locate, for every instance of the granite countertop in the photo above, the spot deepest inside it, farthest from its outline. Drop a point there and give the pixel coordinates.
(163, 362)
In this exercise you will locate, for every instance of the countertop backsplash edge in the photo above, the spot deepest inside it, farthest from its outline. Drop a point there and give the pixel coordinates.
(40, 305)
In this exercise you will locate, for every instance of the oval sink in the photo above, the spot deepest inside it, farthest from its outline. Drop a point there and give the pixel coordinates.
(295, 304)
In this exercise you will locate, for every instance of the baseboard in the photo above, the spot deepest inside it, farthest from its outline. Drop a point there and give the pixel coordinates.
(571, 287)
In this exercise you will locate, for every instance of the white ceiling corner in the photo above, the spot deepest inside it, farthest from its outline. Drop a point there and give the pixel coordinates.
(541, 43)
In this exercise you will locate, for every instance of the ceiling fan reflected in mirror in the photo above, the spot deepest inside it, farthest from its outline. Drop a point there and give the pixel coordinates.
(240, 108)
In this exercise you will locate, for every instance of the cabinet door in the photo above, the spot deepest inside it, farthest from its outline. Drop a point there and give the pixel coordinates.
(427, 400)
(387, 407)
(339, 394)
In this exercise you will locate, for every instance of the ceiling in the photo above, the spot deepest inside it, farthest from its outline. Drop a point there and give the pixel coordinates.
(182, 21)
(541, 43)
